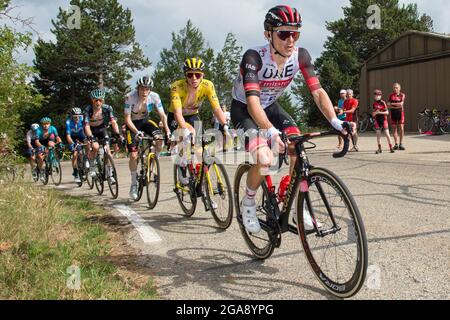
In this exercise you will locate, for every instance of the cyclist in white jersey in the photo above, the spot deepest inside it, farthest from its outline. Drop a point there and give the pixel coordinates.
(265, 73)
(138, 105)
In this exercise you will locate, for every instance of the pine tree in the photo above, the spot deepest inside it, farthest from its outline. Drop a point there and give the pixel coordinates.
(102, 53)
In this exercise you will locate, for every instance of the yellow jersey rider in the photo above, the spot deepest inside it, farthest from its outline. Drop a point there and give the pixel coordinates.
(187, 95)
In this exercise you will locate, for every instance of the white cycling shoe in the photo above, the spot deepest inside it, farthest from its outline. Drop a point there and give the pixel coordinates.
(249, 218)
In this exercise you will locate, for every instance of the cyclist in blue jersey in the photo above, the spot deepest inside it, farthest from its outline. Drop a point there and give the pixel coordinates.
(47, 137)
(74, 134)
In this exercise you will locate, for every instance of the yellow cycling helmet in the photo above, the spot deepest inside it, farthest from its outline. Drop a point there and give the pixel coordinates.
(193, 64)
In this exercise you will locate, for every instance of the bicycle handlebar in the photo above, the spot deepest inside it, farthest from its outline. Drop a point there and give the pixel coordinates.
(306, 137)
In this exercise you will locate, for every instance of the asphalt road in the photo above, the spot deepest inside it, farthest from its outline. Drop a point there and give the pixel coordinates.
(404, 199)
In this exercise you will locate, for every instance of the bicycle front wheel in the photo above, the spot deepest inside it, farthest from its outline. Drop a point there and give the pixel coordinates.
(425, 124)
(219, 194)
(337, 247)
(186, 195)
(99, 178)
(260, 244)
(7, 174)
(153, 181)
(56, 173)
(111, 177)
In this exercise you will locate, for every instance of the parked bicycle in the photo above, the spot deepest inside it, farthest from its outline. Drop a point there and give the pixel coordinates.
(336, 248)
(433, 121)
(207, 180)
(366, 122)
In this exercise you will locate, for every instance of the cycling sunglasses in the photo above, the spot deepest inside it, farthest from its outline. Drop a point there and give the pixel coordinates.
(197, 75)
(284, 35)
(97, 100)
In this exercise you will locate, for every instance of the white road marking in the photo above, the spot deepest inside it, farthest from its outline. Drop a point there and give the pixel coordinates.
(147, 233)
(435, 160)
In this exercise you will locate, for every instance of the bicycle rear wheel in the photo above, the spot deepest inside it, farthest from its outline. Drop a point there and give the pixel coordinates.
(218, 192)
(260, 244)
(425, 124)
(445, 124)
(153, 181)
(7, 174)
(99, 178)
(111, 177)
(364, 122)
(186, 195)
(56, 173)
(337, 249)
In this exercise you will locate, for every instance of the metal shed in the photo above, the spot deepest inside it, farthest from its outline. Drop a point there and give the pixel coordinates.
(420, 62)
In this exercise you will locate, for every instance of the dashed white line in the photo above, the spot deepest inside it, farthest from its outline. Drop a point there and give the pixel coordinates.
(147, 233)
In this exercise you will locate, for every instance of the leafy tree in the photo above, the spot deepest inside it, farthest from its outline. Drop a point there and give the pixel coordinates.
(352, 43)
(17, 95)
(225, 69)
(102, 53)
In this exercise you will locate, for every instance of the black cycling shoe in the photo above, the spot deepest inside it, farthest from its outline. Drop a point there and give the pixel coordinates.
(378, 151)
(396, 147)
(401, 147)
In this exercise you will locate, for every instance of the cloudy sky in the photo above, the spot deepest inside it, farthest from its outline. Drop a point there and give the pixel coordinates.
(155, 20)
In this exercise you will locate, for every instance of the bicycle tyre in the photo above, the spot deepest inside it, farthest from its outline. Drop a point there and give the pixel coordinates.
(153, 180)
(317, 179)
(99, 178)
(364, 122)
(227, 193)
(113, 187)
(56, 169)
(425, 124)
(181, 194)
(260, 252)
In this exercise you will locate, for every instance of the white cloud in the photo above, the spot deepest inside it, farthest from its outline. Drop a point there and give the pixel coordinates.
(155, 20)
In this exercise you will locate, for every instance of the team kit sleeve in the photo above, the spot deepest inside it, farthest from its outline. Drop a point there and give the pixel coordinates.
(251, 64)
(175, 97)
(212, 96)
(307, 69)
(86, 116)
(127, 106)
(158, 103)
(68, 127)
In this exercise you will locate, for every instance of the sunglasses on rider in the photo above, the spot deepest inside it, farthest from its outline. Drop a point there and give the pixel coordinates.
(197, 75)
(284, 35)
(97, 100)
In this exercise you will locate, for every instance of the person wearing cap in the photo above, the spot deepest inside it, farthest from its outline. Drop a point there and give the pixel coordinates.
(340, 112)
(351, 106)
(380, 114)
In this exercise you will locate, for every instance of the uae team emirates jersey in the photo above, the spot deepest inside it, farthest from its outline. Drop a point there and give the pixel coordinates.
(259, 75)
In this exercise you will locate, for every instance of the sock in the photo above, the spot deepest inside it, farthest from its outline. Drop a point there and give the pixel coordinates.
(249, 198)
(379, 147)
(75, 172)
(390, 146)
(134, 178)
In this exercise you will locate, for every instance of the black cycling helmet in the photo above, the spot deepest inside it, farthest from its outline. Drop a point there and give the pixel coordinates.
(280, 16)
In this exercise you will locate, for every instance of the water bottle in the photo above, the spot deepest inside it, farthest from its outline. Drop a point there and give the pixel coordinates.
(283, 187)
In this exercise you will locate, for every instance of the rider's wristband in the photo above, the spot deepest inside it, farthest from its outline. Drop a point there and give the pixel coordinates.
(337, 124)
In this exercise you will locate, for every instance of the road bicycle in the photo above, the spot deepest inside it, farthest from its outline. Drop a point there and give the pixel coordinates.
(52, 167)
(207, 180)
(149, 175)
(433, 121)
(336, 247)
(105, 169)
